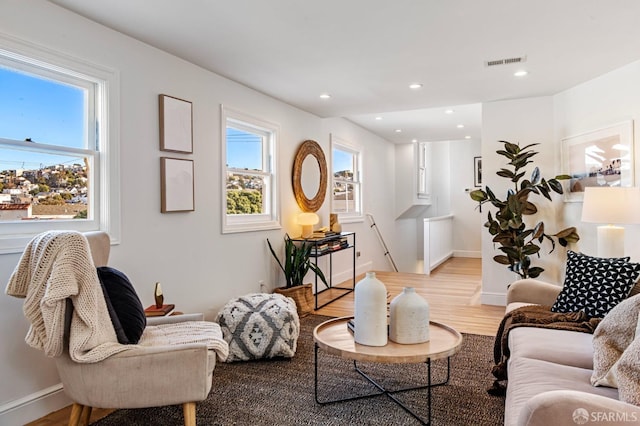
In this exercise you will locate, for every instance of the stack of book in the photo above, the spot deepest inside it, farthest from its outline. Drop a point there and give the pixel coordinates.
(153, 311)
(319, 248)
(323, 234)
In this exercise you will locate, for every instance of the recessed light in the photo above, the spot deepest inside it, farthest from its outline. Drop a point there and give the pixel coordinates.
(520, 73)
(448, 111)
(414, 140)
(460, 126)
(398, 130)
(415, 86)
(467, 137)
(325, 96)
(378, 118)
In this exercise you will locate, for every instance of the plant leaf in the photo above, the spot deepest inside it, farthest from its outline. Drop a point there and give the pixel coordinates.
(556, 186)
(478, 195)
(502, 259)
(535, 271)
(535, 176)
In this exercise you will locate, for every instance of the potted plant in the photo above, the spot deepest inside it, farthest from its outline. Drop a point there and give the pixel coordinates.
(297, 263)
(517, 241)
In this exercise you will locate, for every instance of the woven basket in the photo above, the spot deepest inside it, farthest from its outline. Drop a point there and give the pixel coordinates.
(302, 295)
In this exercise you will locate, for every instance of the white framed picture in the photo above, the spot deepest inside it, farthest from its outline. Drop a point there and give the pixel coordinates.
(176, 124)
(177, 185)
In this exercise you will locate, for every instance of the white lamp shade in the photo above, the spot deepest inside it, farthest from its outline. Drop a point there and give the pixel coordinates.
(611, 205)
(307, 220)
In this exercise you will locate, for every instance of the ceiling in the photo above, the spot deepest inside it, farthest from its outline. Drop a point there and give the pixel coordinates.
(365, 53)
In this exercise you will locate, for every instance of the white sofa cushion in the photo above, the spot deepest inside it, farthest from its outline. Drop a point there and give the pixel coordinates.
(530, 377)
(558, 346)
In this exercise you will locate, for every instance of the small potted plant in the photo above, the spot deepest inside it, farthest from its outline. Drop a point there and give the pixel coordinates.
(297, 263)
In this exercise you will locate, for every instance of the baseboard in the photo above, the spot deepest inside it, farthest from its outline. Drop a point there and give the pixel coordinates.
(497, 299)
(467, 253)
(34, 406)
(439, 262)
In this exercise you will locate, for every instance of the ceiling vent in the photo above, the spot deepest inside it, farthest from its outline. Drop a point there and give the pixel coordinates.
(505, 61)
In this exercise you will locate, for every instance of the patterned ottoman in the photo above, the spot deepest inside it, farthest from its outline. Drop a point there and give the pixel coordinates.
(260, 325)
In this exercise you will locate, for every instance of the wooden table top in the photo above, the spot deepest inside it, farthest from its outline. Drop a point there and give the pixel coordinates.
(334, 338)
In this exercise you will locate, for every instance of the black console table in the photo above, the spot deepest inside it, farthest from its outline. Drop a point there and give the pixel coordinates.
(323, 247)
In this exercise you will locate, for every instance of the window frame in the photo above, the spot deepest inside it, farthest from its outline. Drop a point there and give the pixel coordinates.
(270, 218)
(102, 124)
(340, 144)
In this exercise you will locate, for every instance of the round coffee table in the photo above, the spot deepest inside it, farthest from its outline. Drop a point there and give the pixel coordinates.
(334, 337)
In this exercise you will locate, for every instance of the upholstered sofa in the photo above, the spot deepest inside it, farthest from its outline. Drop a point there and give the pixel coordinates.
(549, 371)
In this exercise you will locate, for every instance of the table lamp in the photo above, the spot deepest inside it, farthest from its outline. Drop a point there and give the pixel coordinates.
(611, 206)
(307, 220)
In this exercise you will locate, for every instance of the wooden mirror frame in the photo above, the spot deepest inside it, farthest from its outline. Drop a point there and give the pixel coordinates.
(309, 147)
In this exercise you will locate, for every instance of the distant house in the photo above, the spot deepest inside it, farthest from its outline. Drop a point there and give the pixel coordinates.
(14, 211)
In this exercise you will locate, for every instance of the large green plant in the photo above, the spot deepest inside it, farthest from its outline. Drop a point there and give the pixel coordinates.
(517, 241)
(297, 261)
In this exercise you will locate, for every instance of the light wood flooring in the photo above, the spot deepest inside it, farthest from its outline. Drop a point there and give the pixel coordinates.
(452, 290)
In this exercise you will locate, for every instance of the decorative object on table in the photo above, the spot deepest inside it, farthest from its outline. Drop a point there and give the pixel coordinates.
(409, 318)
(158, 296)
(611, 206)
(370, 313)
(176, 185)
(176, 124)
(334, 224)
(163, 311)
(306, 221)
(508, 228)
(260, 325)
(297, 263)
(309, 177)
(603, 157)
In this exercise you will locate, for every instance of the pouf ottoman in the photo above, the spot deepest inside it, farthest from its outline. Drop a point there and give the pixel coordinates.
(260, 325)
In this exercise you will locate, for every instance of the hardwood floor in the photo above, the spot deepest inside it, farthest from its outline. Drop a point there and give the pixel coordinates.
(452, 290)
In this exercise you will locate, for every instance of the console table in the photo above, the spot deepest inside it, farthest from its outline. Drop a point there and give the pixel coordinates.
(318, 253)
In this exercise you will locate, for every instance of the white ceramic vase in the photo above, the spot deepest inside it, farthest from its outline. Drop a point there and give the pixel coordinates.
(409, 318)
(370, 311)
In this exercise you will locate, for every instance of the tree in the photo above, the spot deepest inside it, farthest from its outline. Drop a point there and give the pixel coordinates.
(518, 242)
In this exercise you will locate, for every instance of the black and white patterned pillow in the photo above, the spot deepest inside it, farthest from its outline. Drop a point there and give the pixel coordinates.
(595, 285)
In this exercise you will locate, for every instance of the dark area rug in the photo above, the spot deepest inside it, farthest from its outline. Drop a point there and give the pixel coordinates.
(280, 392)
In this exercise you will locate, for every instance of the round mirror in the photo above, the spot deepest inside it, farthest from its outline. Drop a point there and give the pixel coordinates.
(310, 176)
(310, 167)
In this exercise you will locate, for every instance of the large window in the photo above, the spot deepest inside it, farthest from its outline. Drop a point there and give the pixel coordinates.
(346, 199)
(56, 152)
(250, 199)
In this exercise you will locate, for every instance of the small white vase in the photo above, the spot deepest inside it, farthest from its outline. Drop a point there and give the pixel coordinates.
(370, 313)
(409, 318)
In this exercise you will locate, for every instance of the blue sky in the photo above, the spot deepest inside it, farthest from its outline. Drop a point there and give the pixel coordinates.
(39, 109)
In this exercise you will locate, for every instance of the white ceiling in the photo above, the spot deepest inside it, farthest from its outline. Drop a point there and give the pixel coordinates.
(365, 53)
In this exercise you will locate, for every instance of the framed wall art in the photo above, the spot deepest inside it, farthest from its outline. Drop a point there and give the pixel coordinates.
(176, 185)
(602, 157)
(176, 124)
(477, 171)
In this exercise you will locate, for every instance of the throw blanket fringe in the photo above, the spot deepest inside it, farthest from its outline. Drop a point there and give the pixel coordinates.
(532, 316)
(199, 332)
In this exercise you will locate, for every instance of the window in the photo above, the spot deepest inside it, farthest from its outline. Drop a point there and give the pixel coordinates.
(346, 197)
(249, 196)
(57, 149)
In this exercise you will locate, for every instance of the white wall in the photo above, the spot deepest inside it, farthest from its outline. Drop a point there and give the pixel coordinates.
(609, 99)
(466, 233)
(200, 268)
(522, 121)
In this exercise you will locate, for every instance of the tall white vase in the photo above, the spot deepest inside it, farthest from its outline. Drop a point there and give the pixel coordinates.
(409, 318)
(370, 311)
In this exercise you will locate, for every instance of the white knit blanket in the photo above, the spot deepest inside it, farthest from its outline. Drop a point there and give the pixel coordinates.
(181, 333)
(55, 266)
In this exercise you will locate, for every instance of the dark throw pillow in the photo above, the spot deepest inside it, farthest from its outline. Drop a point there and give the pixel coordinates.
(125, 308)
(595, 285)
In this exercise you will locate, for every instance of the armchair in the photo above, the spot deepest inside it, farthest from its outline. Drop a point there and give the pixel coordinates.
(131, 376)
